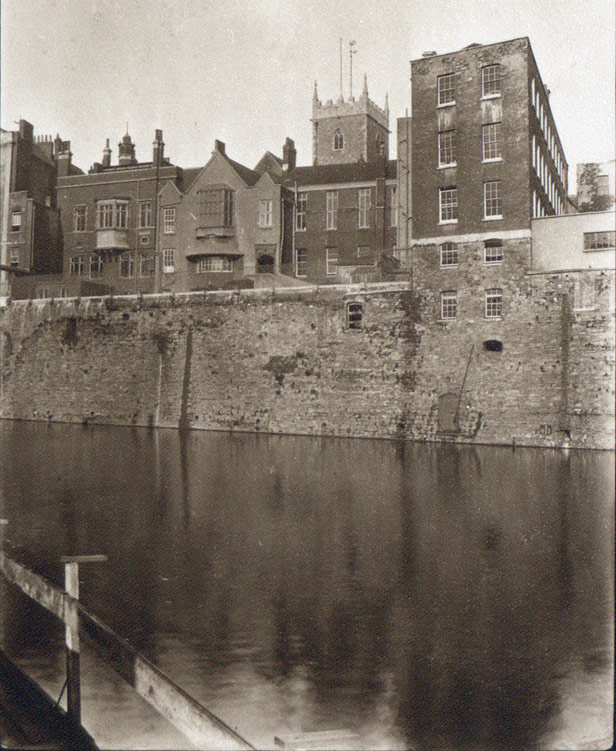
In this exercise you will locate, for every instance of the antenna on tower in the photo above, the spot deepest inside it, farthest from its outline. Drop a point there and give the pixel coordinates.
(341, 92)
(352, 51)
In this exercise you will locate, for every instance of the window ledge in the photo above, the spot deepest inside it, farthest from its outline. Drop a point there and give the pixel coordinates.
(446, 104)
(492, 263)
(493, 318)
(492, 218)
(491, 96)
(492, 159)
(448, 221)
(449, 266)
(447, 166)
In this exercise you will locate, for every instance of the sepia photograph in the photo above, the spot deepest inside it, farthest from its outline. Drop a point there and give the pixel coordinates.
(307, 375)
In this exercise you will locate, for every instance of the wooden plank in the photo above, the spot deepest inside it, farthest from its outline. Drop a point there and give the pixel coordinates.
(35, 586)
(198, 724)
(84, 558)
(319, 740)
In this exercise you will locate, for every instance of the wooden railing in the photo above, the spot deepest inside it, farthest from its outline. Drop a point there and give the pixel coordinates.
(199, 725)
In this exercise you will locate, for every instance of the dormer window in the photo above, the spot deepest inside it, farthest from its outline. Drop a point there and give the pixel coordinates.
(338, 140)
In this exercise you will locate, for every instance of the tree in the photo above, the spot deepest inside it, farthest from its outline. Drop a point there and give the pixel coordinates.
(589, 198)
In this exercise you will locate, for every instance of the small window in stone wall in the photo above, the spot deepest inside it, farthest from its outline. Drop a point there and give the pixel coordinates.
(493, 345)
(354, 315)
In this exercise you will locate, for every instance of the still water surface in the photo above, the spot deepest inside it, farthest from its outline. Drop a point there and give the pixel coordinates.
(423, 596)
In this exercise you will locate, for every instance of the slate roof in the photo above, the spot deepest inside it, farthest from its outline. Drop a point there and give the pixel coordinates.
(323, 174)
(187, 177)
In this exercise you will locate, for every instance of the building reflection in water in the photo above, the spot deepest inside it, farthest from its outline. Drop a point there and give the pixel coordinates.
(423, 596)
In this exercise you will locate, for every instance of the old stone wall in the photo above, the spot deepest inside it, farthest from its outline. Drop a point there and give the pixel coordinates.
(285, 361)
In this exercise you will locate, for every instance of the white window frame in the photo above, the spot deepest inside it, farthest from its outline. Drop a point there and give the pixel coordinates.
(301, 262)
(14, 257)
(448, 204)
(80, 218)
(145, 212)
(449, 305)
(331, 210)
(168, 260)
(448, 252)
(488, 81)
(265, 212)
(443, 92)
(492, 142)
(301, 212)
(169, 221)
(447, 148)
(364, 204)
(493, 303)
(492, 204)
(16, 220)
(331, 261)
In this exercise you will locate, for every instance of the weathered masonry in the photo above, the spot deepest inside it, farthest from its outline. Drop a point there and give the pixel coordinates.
(373, 361)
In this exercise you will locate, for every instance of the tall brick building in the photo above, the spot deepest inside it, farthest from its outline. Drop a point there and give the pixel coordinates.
(29, 218)
(346, 205)
(479, 158)
(109, 218)
(486, 156)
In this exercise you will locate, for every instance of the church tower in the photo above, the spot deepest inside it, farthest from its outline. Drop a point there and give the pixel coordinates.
(348, 131)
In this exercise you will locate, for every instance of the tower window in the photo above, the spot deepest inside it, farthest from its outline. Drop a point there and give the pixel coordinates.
(448, 205)
(338, 140)
(490, 80)
(492, 138)
(446, 89)
(493, 303)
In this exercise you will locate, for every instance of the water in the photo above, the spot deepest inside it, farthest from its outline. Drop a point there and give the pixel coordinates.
(423, 596)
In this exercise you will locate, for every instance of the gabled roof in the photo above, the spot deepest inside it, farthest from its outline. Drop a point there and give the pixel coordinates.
(250, 177)
(187, 177)
(322, 174)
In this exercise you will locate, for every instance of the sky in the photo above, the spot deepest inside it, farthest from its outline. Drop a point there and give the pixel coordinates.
(243, 71)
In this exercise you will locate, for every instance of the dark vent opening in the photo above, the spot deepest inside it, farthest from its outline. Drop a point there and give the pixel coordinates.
(493, 345)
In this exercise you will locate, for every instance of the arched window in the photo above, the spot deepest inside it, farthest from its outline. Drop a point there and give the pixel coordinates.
(338, 141)
(380, 145)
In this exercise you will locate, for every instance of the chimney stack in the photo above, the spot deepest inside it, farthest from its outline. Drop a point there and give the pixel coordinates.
(63, 158)
(220, 147)
(107, 155)
(158, 150)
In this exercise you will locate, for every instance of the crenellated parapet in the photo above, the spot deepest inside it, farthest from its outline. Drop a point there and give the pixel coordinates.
(351, 106)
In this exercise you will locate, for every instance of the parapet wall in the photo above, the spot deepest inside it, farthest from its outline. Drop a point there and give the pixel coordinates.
(285, 361)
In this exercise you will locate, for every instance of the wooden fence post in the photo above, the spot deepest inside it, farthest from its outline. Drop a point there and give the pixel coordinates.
(71, 620)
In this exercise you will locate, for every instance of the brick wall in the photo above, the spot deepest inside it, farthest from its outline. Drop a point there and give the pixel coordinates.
(286, 362)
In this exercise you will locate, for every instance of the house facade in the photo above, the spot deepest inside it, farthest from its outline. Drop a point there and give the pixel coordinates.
(224, 223)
